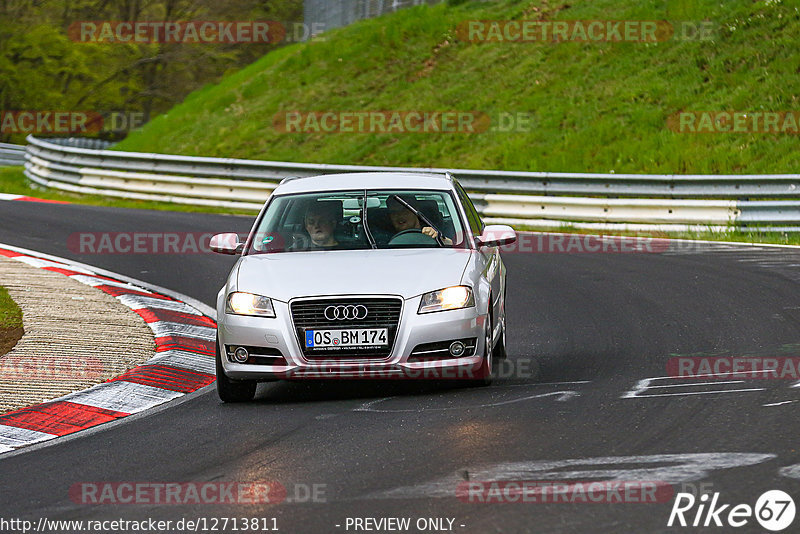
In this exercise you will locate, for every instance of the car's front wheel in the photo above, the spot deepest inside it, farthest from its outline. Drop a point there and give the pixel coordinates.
(500, 349)
(485, 373)
(233, 390)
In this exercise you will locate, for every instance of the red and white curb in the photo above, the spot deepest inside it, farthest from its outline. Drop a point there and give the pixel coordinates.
(183, 363)
(7, 196)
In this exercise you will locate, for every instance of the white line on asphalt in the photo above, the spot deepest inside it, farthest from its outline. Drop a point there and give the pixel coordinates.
(697, 393)
(779, 403)
(647, 384)
(368, 406)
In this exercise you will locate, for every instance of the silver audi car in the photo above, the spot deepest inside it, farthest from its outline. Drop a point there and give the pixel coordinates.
(363, 275)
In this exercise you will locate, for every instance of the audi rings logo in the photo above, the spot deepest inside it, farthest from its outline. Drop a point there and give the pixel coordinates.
(345, 312)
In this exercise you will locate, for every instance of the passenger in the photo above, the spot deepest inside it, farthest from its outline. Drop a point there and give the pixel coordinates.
(403, 219)
(320, 222)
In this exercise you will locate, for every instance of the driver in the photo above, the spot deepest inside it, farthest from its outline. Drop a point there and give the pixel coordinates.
(403, 219)
(320, 222)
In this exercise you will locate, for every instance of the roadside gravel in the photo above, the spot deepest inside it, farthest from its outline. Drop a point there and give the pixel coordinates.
(75, 336)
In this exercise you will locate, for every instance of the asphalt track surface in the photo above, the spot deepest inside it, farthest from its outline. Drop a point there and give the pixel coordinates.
(584, 331)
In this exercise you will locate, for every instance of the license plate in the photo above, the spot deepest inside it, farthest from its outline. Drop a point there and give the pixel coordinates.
(353, 337)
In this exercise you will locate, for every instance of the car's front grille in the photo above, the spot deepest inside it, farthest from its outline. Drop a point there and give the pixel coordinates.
(380, 313)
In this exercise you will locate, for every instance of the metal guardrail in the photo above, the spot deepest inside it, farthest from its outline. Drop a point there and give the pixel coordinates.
(81, 142)
(538, 199)
(11, 154)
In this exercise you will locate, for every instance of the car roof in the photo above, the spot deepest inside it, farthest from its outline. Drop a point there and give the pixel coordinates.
(364, 180)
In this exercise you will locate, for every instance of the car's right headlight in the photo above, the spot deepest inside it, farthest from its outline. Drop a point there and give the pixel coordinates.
(449, 298)
(242, 303)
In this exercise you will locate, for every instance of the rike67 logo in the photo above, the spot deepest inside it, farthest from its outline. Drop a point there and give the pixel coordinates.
(774, 511)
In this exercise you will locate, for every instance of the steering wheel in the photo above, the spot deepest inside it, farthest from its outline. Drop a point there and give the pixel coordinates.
(412, 236)
(409, 231)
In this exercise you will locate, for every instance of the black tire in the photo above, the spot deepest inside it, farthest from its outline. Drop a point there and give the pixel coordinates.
(500, 348)
(485, 373)
(233, 390)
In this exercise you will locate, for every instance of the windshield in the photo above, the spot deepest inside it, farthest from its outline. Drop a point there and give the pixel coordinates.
(351, 220)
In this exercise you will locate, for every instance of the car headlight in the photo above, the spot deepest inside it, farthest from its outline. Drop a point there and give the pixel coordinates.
(449, 298)
(242, 303)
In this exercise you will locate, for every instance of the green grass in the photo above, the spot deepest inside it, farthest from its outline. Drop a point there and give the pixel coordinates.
(13, 181)
(10, 314)
(596, 107)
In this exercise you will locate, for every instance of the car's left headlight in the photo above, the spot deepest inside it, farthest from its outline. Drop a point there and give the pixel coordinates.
(449, 298)
(242, 303)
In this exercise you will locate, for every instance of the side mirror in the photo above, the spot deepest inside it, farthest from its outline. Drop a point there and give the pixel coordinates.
(496, 235)
(226, 244)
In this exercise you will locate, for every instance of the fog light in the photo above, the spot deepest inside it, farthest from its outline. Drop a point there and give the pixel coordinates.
(457, 348)
(241, 355)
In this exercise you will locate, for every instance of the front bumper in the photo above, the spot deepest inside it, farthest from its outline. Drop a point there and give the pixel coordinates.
(413, 329)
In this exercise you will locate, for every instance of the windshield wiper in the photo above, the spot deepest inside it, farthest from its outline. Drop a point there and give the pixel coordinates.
(371, 239)
(419, 214)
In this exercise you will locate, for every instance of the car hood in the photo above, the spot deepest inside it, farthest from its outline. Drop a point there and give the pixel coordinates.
(405, 272)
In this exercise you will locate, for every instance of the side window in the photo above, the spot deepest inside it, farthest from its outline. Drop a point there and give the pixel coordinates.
(474, 220)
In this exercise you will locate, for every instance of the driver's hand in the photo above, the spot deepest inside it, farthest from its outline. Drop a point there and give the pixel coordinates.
(430, 232)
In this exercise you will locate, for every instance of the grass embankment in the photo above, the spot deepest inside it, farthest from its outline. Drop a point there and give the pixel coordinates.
(595, 106)
(10, 322)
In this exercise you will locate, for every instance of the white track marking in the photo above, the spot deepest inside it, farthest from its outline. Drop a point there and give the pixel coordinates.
(647, 384)
(12, 436)
(138, 302)
(685, 468)
(369, 406)
(184, 359)
(122, 396)
(94, 281)
(790, 471)
(166, 328)
(698, 393)
(40, 263)
(698, 384)
(779, 403)
(542, 384)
